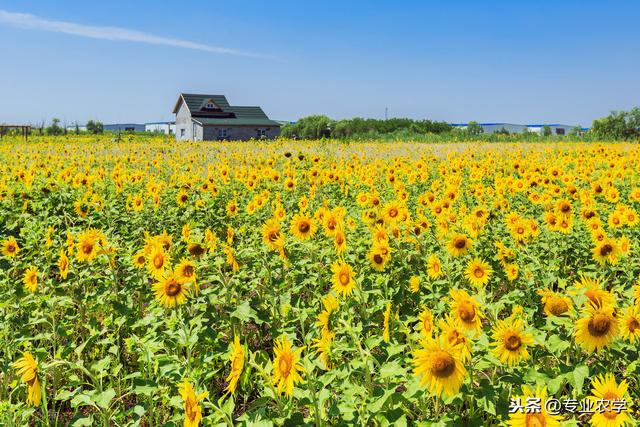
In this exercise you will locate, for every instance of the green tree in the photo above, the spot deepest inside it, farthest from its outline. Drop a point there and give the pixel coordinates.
(95, 127)
(546, 130)
(575, 131)
(54, 128)
(622, 125)
(473, 128)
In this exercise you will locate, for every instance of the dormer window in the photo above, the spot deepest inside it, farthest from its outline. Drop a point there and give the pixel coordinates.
(210, 105)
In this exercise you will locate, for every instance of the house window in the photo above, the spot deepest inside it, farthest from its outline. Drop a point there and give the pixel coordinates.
(182, 132)
(559, 131)
(210, 105)
(262, 133)
(222, 133)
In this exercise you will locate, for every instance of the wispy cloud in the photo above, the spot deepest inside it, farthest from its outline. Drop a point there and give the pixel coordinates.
(32, 22)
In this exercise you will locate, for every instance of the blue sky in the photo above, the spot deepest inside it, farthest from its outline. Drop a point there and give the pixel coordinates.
(521, 62)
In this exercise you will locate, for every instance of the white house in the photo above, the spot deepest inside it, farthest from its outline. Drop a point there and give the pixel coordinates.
(168, 128)
(556, 129)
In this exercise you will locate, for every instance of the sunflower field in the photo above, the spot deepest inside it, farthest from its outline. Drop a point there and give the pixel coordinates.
(147, 283)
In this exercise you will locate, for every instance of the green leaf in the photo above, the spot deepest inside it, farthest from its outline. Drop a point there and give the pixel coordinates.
(103, 399)
(579, 374)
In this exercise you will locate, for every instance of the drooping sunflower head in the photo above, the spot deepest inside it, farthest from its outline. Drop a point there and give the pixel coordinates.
(27, 368)
(592, 289)
(555, 304)
(63, 265)
(236, 358)
(192, 409)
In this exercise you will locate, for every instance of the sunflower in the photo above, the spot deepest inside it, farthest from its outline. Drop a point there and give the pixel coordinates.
(592, 289)
(510, 341)
(459, 244)
(30, 279)
(236, 357)
(511, 270)
(10, 247)
(425, 322)
(181, 197)
(466, 311)
(343, 281)
(540, 417)
(340, 240)
(392, 212)
(27, 368)
(323, 347)
(186, 271)
(271, 235)
(555, 304)
(414, 284)
(139, 259)
(597, 329)
(192, 409)
(157, 261)
(455, 334)
(286, 366)
(606, 251)
(478, 272)
(434, 267)
(611, 402)
(63, 265)
(379, 255)
(302, 226)
(439, 365)
(87, 245)
(631, 324)
(385, 323)
(170, 291)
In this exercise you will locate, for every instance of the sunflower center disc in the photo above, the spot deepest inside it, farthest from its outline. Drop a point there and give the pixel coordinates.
(599, 325)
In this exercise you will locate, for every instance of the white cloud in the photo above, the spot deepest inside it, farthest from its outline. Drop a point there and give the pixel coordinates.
(32, 22)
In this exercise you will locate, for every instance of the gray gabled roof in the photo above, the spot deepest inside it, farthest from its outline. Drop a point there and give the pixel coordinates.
(195, 101)
(226, 115)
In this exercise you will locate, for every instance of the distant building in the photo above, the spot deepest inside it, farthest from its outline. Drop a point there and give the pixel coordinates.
(211, 118)
(79, 128)
(124, 127)
(556, 129)
(168, 128)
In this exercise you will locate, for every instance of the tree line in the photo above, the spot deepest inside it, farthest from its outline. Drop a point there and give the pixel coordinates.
(618, 125)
